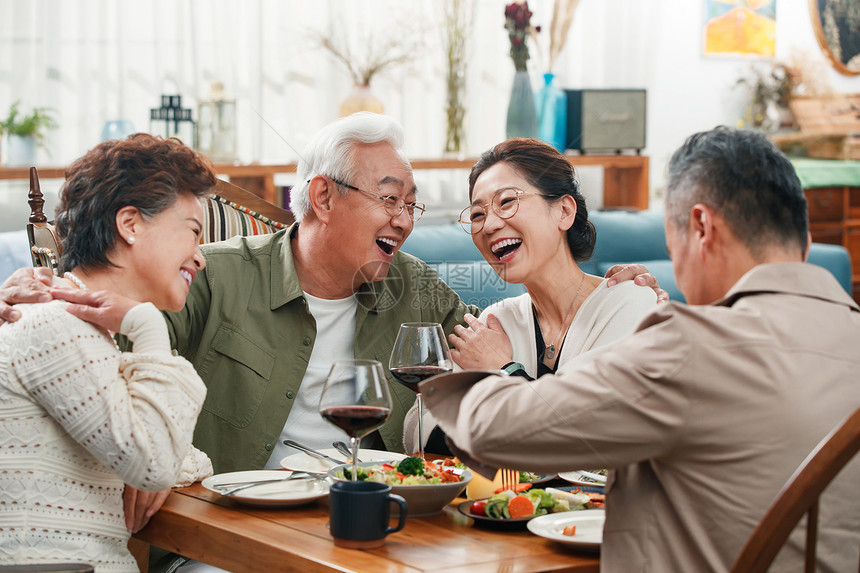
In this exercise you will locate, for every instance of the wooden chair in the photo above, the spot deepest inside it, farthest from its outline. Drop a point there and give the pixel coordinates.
(233, 211)
(800, 495)
(44, 246)
(229, 211)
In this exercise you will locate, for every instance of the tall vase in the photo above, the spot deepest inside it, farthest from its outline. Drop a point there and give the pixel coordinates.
(361, 99)
(522, 117)
(552, 113)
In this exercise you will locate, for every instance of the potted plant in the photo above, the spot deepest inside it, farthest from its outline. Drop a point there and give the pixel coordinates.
(25, 132)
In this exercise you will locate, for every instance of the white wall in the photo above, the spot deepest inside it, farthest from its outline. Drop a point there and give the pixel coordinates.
(94, 60)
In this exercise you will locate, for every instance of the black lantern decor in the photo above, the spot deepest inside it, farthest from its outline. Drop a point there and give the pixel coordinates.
(172, 120)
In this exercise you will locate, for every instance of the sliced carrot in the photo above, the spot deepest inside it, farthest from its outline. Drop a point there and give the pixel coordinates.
(569, 530)
(519, 488)
(520, 506)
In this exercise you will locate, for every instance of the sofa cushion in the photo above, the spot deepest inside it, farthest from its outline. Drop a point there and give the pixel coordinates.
(835, 259)
(629, 236)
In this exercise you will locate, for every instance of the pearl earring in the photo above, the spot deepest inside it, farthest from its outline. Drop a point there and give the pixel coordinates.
(130, 240)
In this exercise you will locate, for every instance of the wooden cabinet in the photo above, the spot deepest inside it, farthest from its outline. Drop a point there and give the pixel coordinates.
(834, 217)
(625, 177)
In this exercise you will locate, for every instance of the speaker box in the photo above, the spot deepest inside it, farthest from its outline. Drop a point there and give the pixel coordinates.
(609, 119)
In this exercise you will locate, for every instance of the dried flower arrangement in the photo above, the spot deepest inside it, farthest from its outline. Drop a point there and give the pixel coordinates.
(562, 17)
(458, 22)
(377, 57)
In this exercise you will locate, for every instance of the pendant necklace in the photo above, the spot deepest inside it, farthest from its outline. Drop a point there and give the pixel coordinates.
(549, 351)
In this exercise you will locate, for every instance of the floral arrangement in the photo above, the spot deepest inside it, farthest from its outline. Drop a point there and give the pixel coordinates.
(774, 85)
(518, 24)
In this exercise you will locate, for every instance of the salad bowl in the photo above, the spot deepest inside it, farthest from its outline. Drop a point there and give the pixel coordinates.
(421, 498)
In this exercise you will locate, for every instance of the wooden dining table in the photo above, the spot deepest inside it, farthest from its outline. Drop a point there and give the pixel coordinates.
(210, 528)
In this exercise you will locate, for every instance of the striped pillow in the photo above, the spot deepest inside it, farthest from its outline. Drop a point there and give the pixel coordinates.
(223, 219)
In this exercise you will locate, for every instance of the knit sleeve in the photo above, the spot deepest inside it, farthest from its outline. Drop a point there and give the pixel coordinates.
(135, 412)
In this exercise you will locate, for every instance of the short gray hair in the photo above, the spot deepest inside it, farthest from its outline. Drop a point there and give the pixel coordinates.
(744, 177)
(331, 152)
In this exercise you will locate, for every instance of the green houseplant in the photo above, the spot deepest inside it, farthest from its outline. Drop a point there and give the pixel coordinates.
(25, 132)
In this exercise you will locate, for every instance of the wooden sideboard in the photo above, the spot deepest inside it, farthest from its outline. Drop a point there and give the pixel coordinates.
(832, 189)
(625, 177)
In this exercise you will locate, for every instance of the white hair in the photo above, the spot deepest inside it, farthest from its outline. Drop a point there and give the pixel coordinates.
(331, 152)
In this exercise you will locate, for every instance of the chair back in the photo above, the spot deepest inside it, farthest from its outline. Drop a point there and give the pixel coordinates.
(799, 496)
(231, 211)
(44, 246)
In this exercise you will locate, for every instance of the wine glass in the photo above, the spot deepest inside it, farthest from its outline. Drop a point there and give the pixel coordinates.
(420, 352)
(356, 399)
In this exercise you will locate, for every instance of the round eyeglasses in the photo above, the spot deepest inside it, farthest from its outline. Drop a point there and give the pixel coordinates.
(392, 204)
(505, 203)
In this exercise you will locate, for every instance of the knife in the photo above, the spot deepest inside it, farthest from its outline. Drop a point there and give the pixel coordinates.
(314, 453)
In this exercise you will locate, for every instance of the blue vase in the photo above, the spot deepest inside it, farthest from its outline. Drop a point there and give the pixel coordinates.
(522, 116)
(552, 113)
(117, 129)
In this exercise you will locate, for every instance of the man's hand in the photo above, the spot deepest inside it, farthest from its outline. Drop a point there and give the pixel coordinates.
(25, 285)
(102, 308)
(140, 506)
(480, 346)
(639, 275)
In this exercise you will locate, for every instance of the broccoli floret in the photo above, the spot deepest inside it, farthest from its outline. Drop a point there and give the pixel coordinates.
(411, 467)
(359, 473)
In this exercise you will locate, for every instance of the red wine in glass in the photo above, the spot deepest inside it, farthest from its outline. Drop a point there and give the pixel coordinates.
(410, 376)
(356, 420)
(356, 399)
(420, 352)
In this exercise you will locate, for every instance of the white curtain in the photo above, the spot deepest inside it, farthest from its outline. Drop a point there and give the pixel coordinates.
(97, 60)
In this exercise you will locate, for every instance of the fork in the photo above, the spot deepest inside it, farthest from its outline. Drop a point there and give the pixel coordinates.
(238, 486)
(510, 479)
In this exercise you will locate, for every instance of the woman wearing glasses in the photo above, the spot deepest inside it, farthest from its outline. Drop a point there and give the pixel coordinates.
(529, 220)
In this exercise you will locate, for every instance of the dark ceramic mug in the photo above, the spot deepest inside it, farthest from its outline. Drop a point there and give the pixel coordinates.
(359, 513)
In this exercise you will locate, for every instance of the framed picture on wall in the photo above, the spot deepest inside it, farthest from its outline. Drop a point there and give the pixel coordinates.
(740, 28)
(837, 28)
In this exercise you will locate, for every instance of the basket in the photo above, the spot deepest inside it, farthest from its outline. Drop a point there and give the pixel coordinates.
(829, 127)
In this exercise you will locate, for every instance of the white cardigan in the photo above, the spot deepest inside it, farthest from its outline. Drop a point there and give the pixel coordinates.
(607, 315)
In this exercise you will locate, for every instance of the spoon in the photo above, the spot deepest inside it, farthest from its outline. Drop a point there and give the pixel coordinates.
(314, 453)
(344, 449)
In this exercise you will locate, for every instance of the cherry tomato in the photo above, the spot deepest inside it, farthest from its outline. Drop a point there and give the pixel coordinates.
(478, 507)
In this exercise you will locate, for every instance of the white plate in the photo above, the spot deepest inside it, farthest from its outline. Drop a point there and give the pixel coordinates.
(307, 463)
(278, 494)
(580, 478)
(588, 522)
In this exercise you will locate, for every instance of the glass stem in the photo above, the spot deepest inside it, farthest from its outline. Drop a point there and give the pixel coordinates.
(420, 426)
(355, 442)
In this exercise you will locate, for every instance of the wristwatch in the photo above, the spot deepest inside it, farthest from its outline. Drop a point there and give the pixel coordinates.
(512, 367)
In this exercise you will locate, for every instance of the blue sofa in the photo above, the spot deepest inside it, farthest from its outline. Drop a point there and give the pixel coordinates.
(622, 237)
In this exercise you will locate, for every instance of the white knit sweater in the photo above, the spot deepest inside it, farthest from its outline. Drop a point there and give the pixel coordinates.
(78, 419)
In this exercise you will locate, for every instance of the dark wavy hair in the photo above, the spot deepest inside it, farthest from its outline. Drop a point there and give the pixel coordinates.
(143, 171)
(552, 174)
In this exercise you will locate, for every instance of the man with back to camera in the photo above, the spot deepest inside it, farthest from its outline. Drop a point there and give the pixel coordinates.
(705, 412)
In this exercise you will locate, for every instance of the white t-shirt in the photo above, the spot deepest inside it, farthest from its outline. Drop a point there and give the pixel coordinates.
(334, 341)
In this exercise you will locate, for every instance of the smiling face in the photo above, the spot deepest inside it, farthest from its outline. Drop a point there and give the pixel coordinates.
(166, 253)
(521, 247)
(364, 236)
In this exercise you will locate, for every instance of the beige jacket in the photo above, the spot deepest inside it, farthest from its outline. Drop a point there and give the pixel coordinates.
(703, 414)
